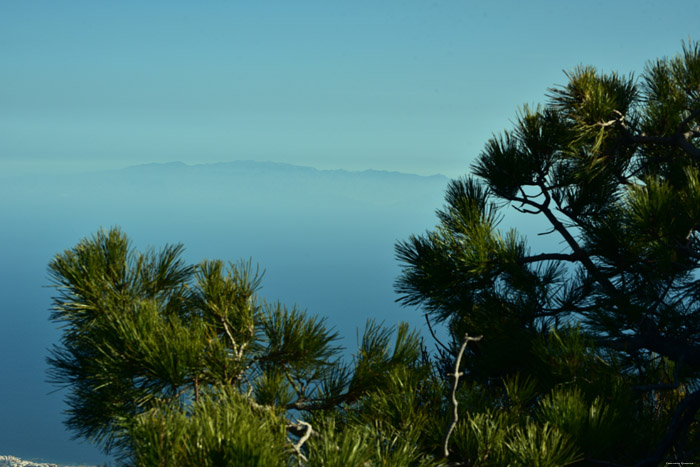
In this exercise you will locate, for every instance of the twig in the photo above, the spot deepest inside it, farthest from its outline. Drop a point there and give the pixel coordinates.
(230, 336)
(456, 375)
(302, 439)
(430, 327)
(237, 350)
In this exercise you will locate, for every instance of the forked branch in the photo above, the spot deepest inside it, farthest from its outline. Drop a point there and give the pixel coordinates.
(303, 437)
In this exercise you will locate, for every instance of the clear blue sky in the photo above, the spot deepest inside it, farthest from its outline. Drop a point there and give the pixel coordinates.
(414, 86)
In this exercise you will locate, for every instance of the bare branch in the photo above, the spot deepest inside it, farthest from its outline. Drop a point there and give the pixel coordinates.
(680, 140)
(457, 374)
(238, 350)
(234, 346)
(620, 119)
(302, 439)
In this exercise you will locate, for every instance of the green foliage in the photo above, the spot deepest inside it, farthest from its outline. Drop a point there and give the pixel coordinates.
(171, 364)
(480, 440)
(332, 448)
(589, 351)
(221, 429)
(541, 446)
(578, 340)
(593, 425)
(361, 444)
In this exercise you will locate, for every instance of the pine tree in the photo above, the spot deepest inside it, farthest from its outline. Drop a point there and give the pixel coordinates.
(594, 344)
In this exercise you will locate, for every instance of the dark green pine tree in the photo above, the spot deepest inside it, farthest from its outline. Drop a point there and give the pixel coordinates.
(590, 349)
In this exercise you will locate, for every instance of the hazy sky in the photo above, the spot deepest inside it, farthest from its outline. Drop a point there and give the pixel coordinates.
(414, 86)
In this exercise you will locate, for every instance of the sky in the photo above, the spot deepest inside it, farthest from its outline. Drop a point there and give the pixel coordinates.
(414, 85)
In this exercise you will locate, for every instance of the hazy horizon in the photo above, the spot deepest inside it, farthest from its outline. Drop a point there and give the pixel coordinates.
(58, 171)
(413, 86)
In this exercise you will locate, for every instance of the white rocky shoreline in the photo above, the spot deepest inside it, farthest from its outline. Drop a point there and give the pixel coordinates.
(11, 461)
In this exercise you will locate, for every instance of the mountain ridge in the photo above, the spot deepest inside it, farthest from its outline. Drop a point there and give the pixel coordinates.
(270, 165)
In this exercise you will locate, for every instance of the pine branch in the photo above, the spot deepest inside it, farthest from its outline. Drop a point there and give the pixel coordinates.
(680, 139)
(549, 257)
(578, 252)
(650, 339)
